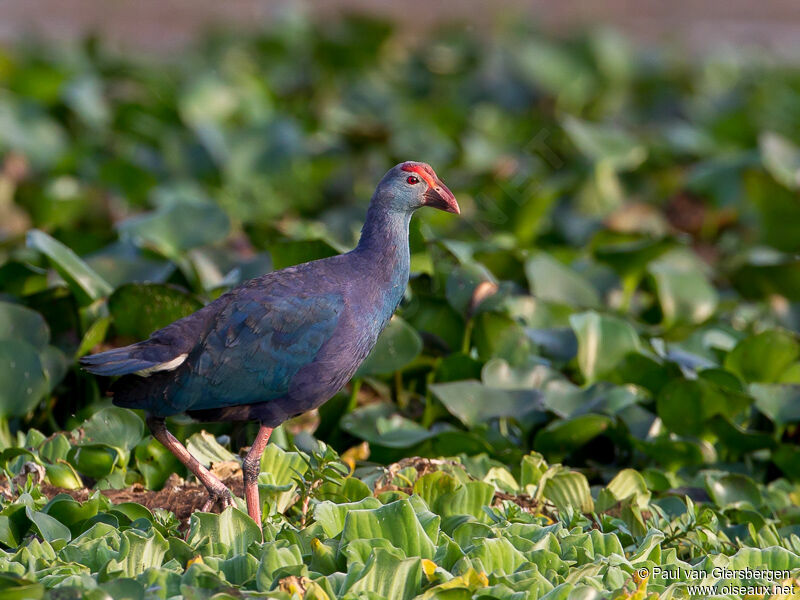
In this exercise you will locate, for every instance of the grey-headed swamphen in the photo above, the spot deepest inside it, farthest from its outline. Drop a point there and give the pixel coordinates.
(280, 344)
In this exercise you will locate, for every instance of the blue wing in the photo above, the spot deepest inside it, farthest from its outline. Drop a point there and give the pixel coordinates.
(254, 347)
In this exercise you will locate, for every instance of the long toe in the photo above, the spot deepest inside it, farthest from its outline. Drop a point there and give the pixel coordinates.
(222, 497)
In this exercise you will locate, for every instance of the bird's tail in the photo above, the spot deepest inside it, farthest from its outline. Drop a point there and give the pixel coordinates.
(142, 359)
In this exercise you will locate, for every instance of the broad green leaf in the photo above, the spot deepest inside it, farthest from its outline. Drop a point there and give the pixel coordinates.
(331, 515)
(22, 379)
(232, 528)
(87, 285)
(294, 252)
(781, 403)
(685, 405)
(763, 357)
(119, 428)
(176, 227)
(497, 556)
(23, 324)
(605, 143)
(49, 528)
(474, 403)
(397, 346)
(552, 281)
(155, 462)
(274, 556)
(734, 490)
(684, 293)
(781, 158)
(206, 449)
(389, 577)
(139, 309)
(396, 522)
(603, 341)
(144, 550)
(568, 489)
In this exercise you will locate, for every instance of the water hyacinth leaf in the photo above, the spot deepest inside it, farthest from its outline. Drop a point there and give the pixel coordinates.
(763, 357)
(206, 449)
(87, 285)
(498, 556)
(604, 143)
(50, 529)
(685, 405)
(781, 403)
(603, 341)
(552, 281)
(23, 381)
(139, 309)
(120, 428)
(155, 462)
(331, 515)
(94, 460)
(294, 252)
(379, 424)
(461, 285)
(474, 403)
(23, 324)
(397, 346)
(734, 490)
(684, 292)
(388, 576)
(781, 158)
(176, 227)
(766, 272)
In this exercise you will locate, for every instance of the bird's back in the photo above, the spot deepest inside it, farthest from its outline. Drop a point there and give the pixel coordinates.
(271, 348)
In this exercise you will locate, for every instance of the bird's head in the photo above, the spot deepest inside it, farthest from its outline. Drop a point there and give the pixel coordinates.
(412, 185)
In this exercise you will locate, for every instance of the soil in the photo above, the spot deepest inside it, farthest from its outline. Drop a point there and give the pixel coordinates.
(181, 497)
(184, 498)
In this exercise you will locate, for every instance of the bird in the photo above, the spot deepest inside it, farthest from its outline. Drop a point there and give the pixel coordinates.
(280, 344)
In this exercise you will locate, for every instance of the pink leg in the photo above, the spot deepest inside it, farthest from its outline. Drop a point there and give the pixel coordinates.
(217, 492)
(251, 467)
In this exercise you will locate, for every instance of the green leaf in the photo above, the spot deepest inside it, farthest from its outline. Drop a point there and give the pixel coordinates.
(206, 449)
(763, 357)
(684, 293)
(568, 489)
(395, 522)
(551, 281)
(232, 528)
(22, 378)
(685, 405)
(781, 158)
(49, 528)
(602, 143)
(144, 550)
(155, 462)
(19, 323)
(120, 428)
(474, 403)
(603, 341)
(781, 403)
(177, 227)
(294, 252)
(397, 346)
(87, 285)
(734, 490)
(388, 576)
(139, 309)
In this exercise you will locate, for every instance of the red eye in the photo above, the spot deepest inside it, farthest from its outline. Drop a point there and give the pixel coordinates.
(412, 179)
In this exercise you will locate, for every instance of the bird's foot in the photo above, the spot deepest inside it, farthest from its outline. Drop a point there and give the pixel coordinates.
(221, 496)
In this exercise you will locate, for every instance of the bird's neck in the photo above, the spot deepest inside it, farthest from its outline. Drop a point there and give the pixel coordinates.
(384, 248)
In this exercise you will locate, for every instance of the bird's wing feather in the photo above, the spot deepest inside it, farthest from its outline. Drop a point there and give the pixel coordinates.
(255, 346)
(165, 350)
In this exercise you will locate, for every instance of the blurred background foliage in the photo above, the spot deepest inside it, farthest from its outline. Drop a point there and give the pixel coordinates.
(622, 288)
